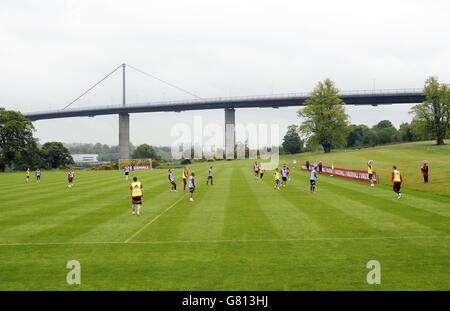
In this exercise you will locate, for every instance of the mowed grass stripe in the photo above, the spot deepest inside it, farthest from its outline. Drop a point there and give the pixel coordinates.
(320, 207)
(206, 221)
(78, 214)
(243, 218)
(285, 215)
(89, 220)
(393, 206)
(362, 216)
(170, 225)
(50, 195)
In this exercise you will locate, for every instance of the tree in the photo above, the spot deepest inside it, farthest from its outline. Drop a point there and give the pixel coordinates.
(360, 136)
(385, 132)
(145, 151)
(405, 132)
(434, 113)
(56, 155)
(326, 122)
(291, 141)
(16, 139)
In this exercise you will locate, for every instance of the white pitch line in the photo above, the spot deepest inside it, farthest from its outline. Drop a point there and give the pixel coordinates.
(153, 220)
(424, 237)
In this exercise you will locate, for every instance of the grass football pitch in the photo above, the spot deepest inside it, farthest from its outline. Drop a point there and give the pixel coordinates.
(240, 234)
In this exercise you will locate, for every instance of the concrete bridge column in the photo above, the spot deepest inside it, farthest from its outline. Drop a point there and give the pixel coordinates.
(230, 139)
(124, 135)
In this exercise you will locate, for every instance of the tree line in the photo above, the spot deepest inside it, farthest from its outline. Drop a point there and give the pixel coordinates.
(325, 122)
(19, 150)
(108, 153)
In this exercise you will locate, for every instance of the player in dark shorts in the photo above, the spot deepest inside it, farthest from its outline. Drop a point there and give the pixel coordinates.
(38, 175)
(127, 172)
(136, 196)
(172, 181)
(312, 180)
(424, 169)
(210, 176)
(191, 186)
(256, 169)
(397, 180)
(261, 171)
(284, 175)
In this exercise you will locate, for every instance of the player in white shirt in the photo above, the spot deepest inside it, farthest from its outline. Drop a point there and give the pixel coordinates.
(191, 186)
(312, 180)
(126, 172)
(172, 181)
(284, 175)
(210, 176)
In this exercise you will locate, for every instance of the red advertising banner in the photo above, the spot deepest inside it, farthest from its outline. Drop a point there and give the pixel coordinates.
(346, 173)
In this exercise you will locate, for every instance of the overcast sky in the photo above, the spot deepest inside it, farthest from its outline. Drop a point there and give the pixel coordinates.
(51, 51)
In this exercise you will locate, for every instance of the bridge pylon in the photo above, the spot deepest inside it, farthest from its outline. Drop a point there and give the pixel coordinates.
(124, 135)
(124, 123)
(230, 139)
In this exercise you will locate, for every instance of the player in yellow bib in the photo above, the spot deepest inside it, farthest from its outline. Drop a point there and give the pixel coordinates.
(397, 180)
(277, 179)
(370, 173)
(184, 176)
(136, 196)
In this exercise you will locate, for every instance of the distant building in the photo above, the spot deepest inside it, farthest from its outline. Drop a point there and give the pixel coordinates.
(85, 158)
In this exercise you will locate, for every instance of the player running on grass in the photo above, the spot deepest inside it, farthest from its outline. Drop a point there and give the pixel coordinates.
(185, 176)
(27, 176)
(397, 180)
(172, 181)
(261, 172)
(277, 179)
(210, 176)
(256, 169)
(312, 180)
(38, 175)
(284, 175)
(136, 196)
(70, 177)
(370, 173)
(288, 172)
(126, 171)
(191, 186)
(424, 169)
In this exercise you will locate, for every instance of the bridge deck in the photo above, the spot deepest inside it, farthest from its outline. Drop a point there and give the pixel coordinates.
(373, 97)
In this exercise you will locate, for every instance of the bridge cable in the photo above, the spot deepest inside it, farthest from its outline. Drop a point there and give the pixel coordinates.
(88, 90)
(163, 81)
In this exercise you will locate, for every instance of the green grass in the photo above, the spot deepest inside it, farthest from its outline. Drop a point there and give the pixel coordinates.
(240, 234)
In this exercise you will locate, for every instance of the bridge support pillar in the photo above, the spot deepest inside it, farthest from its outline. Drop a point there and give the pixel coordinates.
(230, 139)
(124, 135)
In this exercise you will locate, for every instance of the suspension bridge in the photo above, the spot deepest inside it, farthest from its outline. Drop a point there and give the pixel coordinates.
(228, 104)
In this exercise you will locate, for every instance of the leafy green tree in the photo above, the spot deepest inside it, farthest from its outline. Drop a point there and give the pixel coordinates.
(325, 120)
(360, 136)
(56, 155)
(145, 151)
(16, 138)
(406, 133)
(292, 142)
(385, 132)
(434, 113)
